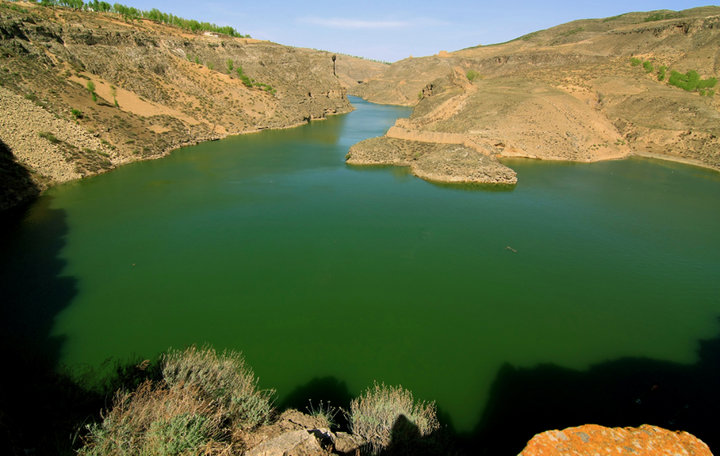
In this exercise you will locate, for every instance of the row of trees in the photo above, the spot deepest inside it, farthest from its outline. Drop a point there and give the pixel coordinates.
(131, 13)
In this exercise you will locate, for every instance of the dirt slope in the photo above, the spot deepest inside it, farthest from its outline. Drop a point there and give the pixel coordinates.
(156, 87)
(566, 93)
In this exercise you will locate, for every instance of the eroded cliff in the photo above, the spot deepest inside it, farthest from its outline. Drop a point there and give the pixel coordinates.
(588, 90)
(83, 92)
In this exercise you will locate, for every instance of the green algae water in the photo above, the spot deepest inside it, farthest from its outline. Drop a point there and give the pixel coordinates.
(270, 244)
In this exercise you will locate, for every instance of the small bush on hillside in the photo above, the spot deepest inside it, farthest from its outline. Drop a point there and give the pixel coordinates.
(229, 64)
(635, 61)
(690, 81)
(76, 113)
(49, 136)
(373, 415)
(224, 378)
(661, 73)
(91, 88)
(648, 66)
(707, 83)
(472, 75)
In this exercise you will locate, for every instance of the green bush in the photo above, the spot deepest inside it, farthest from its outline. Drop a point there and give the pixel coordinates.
(91, 88)
(373, 414)
(691, 81)
(648, 66)
(229, 64)
(224, 378)
(635, 61)
(49, 136)
(707, 83)
(76, 113)
(472, 75)
(661, 73)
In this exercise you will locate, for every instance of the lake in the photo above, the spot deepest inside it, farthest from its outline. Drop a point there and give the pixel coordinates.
(326, 274)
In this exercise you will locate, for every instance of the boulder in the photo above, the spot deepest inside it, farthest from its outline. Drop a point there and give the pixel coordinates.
(293, 443)
(592, 439)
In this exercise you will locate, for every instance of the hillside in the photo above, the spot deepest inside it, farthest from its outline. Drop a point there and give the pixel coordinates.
(156, 87)
(584, 91)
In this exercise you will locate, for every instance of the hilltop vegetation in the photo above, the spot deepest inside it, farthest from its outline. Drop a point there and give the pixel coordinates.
(131, 13)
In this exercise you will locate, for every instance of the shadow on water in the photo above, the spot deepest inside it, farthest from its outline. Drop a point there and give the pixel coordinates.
(41, 410)
(618, 393)
(328, 391)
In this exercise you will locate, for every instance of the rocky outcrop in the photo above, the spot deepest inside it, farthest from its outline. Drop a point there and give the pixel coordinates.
(435, 162)
(591, 439)
(566, 93)
(297, 434)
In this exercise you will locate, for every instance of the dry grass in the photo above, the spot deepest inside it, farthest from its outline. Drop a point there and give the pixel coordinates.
(224, 378)
(374, 415)
(155, 420)
(203, 405)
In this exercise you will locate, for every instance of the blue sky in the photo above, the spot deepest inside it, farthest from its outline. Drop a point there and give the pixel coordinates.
(392, 30)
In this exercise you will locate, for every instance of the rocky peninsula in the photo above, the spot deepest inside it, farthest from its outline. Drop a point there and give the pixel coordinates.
(596, 89)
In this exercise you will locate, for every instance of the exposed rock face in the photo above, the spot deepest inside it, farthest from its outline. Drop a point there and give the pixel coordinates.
(297, 434)
(567, 93)
(157, 88)
(591, 439)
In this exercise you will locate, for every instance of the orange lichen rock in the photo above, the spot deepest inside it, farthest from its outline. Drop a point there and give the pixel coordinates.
(592, 439)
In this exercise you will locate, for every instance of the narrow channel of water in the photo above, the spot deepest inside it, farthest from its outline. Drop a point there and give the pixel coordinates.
(327, 274)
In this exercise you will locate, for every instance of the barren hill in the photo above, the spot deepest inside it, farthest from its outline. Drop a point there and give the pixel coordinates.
(588, 90)
(156, 87)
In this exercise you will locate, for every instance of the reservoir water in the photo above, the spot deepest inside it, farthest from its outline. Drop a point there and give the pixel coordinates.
(325, 274)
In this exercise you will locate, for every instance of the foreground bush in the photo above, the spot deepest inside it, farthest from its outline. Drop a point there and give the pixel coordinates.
(375, 415)
(198, 407)
(157, 421)
(224, 378)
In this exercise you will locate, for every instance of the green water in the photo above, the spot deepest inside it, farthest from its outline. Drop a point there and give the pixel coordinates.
(270, 244)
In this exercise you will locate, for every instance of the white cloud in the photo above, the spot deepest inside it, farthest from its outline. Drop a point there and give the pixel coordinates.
(337, 22)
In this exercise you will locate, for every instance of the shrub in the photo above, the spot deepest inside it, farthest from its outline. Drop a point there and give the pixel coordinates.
(648, 66)
(472, 75)
(373, 415)
(223, 378)
(324, 412)
(690, 81)
(156, 421)
(76, 113)
(49, 136)
(635, 61)
(707, 83)
(661, 73)
(91, 88)
(229, 64)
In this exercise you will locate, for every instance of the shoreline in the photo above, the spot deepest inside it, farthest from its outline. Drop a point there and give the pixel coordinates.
(165, 153)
